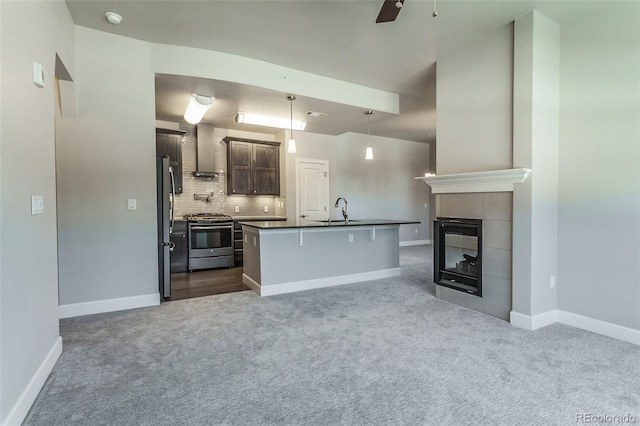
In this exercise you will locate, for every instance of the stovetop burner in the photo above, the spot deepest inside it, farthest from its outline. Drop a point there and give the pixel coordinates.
(207, 217)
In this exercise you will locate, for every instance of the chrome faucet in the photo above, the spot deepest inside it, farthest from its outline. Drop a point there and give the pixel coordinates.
(345, 211)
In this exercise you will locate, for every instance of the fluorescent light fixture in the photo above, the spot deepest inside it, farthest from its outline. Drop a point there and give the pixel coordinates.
(198, 106)
(263, 120)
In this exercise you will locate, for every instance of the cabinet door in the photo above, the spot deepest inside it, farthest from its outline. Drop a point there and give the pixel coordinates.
(239, 167)
(170, 144)
(266, 176)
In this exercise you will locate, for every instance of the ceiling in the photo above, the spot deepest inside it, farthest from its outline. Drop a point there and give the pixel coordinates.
(332, 38)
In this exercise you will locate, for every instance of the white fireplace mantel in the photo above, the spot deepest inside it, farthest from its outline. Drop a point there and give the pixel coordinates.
(491, 181)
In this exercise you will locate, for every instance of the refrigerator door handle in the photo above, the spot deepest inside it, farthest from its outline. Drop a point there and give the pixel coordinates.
(172, 201)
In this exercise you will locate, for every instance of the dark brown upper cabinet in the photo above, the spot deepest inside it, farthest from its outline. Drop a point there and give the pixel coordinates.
(169, 143)
(253, 167)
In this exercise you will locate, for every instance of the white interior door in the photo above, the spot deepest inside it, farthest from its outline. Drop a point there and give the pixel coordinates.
(312, 189)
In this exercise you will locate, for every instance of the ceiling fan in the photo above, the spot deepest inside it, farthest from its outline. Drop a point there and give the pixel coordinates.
(389, 11)
(391, 8)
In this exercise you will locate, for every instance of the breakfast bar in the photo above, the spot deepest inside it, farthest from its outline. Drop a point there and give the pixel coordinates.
(288, 256)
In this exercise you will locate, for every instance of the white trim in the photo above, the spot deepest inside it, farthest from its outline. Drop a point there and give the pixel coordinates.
(601, 327)
(251, 283)
(415, 243)
(533, 322)
(108, 305)
(293, 286)
(604, 328)
(490, 181)
(30, 393)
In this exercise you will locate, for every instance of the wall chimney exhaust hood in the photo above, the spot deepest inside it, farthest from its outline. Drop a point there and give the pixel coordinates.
(205, 152)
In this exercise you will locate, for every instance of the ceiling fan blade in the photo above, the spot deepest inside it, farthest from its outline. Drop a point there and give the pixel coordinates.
(389, 10)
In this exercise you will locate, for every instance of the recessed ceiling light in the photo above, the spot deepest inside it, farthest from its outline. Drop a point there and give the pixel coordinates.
(113, 17)
(315, 114)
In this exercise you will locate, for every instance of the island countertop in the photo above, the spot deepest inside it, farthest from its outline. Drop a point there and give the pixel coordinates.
(298, 224)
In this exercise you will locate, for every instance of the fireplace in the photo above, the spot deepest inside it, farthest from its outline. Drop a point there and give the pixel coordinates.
(457, 261)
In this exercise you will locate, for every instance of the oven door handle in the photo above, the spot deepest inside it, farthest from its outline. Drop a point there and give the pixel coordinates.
(207, 228)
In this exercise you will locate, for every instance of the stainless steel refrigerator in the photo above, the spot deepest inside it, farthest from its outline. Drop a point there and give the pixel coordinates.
(166, 211)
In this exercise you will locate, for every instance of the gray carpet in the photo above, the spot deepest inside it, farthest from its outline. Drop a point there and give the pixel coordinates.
(384, 352)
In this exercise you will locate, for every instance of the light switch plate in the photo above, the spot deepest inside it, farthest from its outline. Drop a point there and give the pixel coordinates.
(38, 74)
(266, 209)
(37, 204)
(131, 204)
(236, 209)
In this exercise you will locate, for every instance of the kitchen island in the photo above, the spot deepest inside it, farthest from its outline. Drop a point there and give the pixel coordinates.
(287, 256)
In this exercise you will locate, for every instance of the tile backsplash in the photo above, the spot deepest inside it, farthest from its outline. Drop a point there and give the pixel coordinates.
(216, 188)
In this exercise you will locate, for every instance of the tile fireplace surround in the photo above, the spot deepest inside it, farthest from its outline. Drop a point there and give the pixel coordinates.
(487, 196)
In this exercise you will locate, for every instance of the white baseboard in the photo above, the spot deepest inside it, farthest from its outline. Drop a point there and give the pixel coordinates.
(29, 394)
(293, 286)
(108, 305)
(415, 243)
(601, 327)
(574, 320)
(534, 322)
(251, 283)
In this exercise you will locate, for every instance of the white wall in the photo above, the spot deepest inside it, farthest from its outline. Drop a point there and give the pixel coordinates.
(474, 105)
(599, 173)
(315, 147)
(105, 156)
(29, 334)
(384, 187)
(535, 146)
(598, 201)
(380, 188)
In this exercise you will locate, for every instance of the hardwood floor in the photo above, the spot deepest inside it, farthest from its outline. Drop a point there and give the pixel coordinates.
(186, 285)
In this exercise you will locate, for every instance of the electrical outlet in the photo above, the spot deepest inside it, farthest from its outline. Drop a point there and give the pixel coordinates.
(416, 231)
(236, 209)
(37, 204)
(131, 204)
(350, 238)
(266, 209)
(552, 281)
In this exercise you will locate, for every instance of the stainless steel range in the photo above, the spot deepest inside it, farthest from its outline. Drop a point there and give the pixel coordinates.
(210, 239)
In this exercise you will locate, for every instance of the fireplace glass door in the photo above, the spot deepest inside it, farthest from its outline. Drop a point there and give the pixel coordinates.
(457, 254)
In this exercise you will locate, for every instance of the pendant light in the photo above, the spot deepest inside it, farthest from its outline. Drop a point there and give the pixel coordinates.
(291, 146)
(369, 152)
